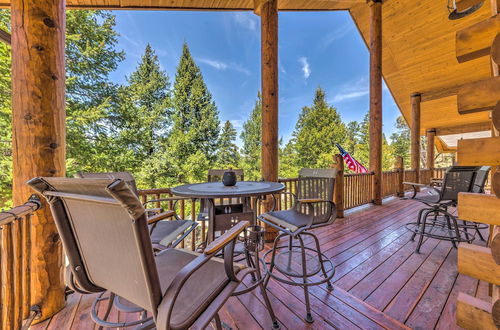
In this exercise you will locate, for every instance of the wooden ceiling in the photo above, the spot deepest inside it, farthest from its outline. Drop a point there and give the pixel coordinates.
(418, 47)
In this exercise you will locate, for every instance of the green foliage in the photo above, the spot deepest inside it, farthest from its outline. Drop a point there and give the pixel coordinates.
(251, 138)
(317, 130)
(228, 154)
(142, 118)
(5, 117)
(193, 140)
(400, 140)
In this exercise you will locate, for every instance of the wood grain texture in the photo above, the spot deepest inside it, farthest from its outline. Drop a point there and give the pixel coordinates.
(338, 197)
(479, 152)
(269, 69)
(477, 261)
(473, 313)
(478, 96)
(430, 147)
(415, 134)
(484, 208)
(495, 183)
(495, 244)
(475, 41)
(38, 123)
(375, 128)
(495, 116)
(467, 128)
(495, 50)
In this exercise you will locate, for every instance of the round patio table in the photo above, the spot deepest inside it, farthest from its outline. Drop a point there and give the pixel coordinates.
(213, 190)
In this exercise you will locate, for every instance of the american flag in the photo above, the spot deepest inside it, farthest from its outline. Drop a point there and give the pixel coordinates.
(351, 163)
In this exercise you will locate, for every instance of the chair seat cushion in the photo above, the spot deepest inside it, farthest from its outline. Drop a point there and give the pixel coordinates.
(200, 289)
(289, 219)
(166, 231)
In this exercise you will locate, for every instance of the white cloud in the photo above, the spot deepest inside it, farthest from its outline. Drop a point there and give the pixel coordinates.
(337, 34)
(352, 90)
(306, 69)
(246, 20)
(219, 65)
(237, 123)
(213, 63)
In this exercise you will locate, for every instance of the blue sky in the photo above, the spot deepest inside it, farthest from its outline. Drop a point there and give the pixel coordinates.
(315, 49)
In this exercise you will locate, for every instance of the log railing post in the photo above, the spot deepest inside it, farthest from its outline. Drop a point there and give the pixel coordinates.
(38, 133)
(376, 98)
(400, 169)
(268, 10)
(415, 135)
(338, 197)
(431, 134)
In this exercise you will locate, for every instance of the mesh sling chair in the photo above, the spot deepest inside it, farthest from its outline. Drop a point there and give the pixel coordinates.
(457, 179)
(103, 229)
(163, 233)
(298, 264)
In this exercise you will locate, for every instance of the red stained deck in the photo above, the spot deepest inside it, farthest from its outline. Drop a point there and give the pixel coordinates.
(379, 282)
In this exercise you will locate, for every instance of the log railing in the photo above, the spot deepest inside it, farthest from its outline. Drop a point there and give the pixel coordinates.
(15, 247)
(358, 189)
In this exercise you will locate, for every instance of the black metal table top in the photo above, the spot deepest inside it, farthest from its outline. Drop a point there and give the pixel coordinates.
(218, 190)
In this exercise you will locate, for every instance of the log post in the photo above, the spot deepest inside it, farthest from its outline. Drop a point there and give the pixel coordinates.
(338, 197)
(269, 65)
(415, 135)
(400, 169)
(431, 134)
(376, 98)
(38, 133)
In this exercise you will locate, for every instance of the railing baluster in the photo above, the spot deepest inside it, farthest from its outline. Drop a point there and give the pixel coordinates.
(8, 305)
(26, 243)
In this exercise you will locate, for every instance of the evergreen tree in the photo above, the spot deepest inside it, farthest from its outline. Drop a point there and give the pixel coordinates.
(143, 117)
(400, 140)
(90, 57)
(228, 154)
(252, 140)
(193, 141)
(317, 130)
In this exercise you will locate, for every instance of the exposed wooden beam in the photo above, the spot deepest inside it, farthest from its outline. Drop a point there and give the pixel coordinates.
(38, 125)
(466, 128)
(376, 98)
(495, 50)
(5, 37)
(479, 95)
(440, 93)
(431, 137)
(479, 152)
(495, 116)
(473, 313)
(415, 134)
(475, 41)
(484, 208)
(495, 183)
(477, 262)
(269, 69)
(465, 4)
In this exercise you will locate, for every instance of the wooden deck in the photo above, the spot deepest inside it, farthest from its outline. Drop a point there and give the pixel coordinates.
(379, 282)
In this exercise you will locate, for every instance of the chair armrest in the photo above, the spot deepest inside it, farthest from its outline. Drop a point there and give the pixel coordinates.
(161, 216)
(168, 301)
(227, 237)
(415, 184)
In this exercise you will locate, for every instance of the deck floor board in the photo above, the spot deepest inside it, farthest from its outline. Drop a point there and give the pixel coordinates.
(380, 283)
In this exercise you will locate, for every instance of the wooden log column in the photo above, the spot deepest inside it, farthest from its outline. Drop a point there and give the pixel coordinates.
(269, 65)
(400, 168)
(415, 134)
(38, 125)
(338, 197)
(376, 98)
(431, 135)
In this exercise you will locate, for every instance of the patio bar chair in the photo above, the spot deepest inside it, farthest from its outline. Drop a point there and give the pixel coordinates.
(435, 221)
(103, 229)
(313, 207)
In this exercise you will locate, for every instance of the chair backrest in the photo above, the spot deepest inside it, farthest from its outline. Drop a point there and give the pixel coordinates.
(125, 176)
(316, 183)
(457, 179)
(216, 175)
(103, 228)
(480, 179)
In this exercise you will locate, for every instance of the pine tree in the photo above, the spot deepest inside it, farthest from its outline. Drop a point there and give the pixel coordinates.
(228, 154)
(252, 140)
(317, 130)
(400, 140)
(193, 141)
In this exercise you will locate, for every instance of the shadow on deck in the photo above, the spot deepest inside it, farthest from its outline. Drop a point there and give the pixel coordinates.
(379, 281)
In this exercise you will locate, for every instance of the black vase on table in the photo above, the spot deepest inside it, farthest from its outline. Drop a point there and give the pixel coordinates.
(229, 178)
